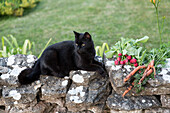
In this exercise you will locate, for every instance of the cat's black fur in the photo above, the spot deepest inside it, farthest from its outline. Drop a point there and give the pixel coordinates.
(60, 58)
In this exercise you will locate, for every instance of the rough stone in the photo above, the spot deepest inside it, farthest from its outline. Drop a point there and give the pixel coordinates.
(38, 108)
(20, 96)
(4, 70)
(1, 102)
(117, 102)
(157, 110)
(158, 86)
(132, 111)
(89, 94)
(2, 111)
(3, 62)
(15, 63)
(165, 100)
(21, 60)
(11, 78)
(54, 89)
(162, 79)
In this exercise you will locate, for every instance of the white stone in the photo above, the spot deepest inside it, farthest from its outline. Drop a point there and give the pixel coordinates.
(116, 67)
(15, 94)
(5, 76)
(163, 72)
(78, 79)
(16, 71)
(66, 77)
(76, 91)
(30, 58)
(15, 102)
(82, 94)
(75, 99)
(11, 60)
(109, 63)
(64, 83)
(113, 104)
(166, 78)
(72, 91)
(143, 101)
(128, 67)
(83, 72)
(79, 89)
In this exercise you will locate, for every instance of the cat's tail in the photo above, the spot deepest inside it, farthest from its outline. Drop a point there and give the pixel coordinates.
(30, 75)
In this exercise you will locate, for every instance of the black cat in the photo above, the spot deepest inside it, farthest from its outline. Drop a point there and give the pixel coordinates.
(60, 58)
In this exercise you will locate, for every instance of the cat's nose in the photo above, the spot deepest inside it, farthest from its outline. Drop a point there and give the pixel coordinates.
(78, 47)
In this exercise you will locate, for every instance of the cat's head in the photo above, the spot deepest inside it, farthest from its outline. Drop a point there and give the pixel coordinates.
(83, 42)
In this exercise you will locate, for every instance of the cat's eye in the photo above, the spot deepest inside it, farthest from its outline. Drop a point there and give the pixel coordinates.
(76, 44)
(83, 45)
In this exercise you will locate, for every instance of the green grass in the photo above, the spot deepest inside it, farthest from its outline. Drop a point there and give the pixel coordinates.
(105, 20)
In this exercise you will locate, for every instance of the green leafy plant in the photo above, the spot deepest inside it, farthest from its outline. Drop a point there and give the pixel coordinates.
(159, 55)
(16, 7)
(13, 48)
(128, 46)
(160, 28)
(100, 49)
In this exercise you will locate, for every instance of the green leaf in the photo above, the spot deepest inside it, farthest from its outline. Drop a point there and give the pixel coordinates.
(109, 54)
(142, 40)
(10, 44)
(14, 41)
(45, 47)
(125, 51)
(98, 50)
(27, 43)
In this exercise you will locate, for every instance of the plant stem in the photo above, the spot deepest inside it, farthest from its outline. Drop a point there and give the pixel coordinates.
(158, 24)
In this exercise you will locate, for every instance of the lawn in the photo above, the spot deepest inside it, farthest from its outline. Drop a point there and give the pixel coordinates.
(106, 20)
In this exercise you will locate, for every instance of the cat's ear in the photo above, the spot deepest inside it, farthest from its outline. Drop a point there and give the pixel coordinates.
(76, 34)
(87, 35)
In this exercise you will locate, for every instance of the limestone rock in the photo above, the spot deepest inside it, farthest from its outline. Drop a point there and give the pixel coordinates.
(158, 86)
(15, 63)
(20, 96)
(157, 110)
(162, 79)
(132, 111)
(11, 78)
(38, 108)
(3, 62)
(2, 111)
(21, 60)
(54, 89)
(117, 102)
(165, 100)
(87, 92)
(117, 75)
(4, 70)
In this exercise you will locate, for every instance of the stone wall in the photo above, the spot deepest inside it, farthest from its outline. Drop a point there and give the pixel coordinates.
(81, 92)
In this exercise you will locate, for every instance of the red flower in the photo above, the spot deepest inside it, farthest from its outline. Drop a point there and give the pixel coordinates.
(125, 61)
(116, 62)
(136, 64)
(119, 58)
(133, 61)
(129, 57)
(122, 62)
(120, 54)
